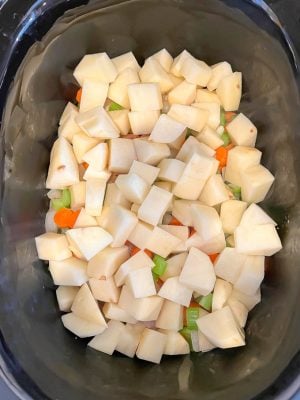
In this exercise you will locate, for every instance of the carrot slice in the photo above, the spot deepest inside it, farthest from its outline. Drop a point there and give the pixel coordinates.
(78, 95)
(221, 156)
(192, 231)
(213, 257)
(85, 165)
(134, 250)
(229, 116)
(66, 218)
(174, 221)
(149, 253)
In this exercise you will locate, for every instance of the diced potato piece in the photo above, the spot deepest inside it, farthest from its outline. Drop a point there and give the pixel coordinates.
(153, 72)
(255, 183)
(113, 311)
(97, 157)
(98, 124)
(176, 81)
(259, 240)
(166, 186)
(214, 111)
(240, 158)
(118, 89)
(105, 263)
(93, 95)
(85, 220)
(155, 205)
(167, 130)
(221, 329)
(171, 169)
(114, 195)
(105, 290)
(119, 222)
(205, 96)
(143, 122)
(182, 211)
(239, 310)
(95, 191)
(210, 137)
(69, 128)
(206, 221)
(63, 168)
(252, 275)
(69, 272)
(145, 97)
(219, 71)
(89, 241)
(229, 264)
(82, 144)
(204, 344)
(97, 67)
(133, 187)
(211, 246)
(150, 152)
(192, 146)
(140, 235)
(248, 301)
(129, 341)
(192, 117)
(164, 58)
(178, 62)
(162, 242)
(124, 61)
(151, 346)
(145, 171)
(52, 246)
(181, 232)
(107, 341)
(198, 272)
(65, 296)
(170, 317)
(214, 192)
(175, 291)
(242, 131)
(92, 173)
(121, 120)
(141, 283)
(229, 91)
(86, 307)
(184, 93)
(222, 292)
(174, 266)
(255, 215)
(81, 327)
(77, 192)
(176, 344)
(231, 214)
(137, 261)
(70, 111)
(195, 71)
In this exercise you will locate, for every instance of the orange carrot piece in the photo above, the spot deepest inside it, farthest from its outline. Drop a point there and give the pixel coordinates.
(229, 115)
(66, 218)
(192, 231)
(134, 250)
(174, 221)
(221, 156)
(78, 95)
(149, 253)
(85, 165)
(193, 303)
(213, 257)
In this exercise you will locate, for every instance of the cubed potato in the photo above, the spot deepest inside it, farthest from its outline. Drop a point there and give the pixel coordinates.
(93, 95)
(252, 275)
(121, 155)
(214, 192)
(167, 130)
(239, 310)
(140, 235)
(81, 327)
(196, 71)
(118, 91)
(198, 272)
(221, 329)
(65, 296)
(205, 96)
(170, 317)
(174, 266)
(192, 146)
(121, 119)
(206, 221)
(150, 152)
(89, 241)
(145, 97)
(192, 117)
(181, 232)
(182, 211)
(95, 191)
(97, 123)
(204, 344)
(129, 340)
(86, 307)
(124, 61)
(229, 91)
(162, 242)
(176, 344)
(63, 168)
(178, 62)
(141, 283)
(52, 246)
(107, 341)
(171, 170)
(97, 67)
(219, 71)
(229, 264)
(145, 171)
(211, 246)
(97, 157)
(133, 187)
(92, 173)
(69, 272)
(153, 72)
(69, 128)
(113, 311)
(85, 220)
(255, 183)
(184, 93)
(242, 131)
(222, 292)
(249, 301)
(119, 222)
(214, 112)
(82, 144)
(231, 213)
(77, 192)
(137, 261)
(240, 158)
(210, 137)
(258, 240)
(164, 58)
(166, 186)
(70, 111)
(155, 205)
(255, 215)
(114, 195)
(151, 346)
(105, 290)
(105, 263)
(143, 122)
(175, 291)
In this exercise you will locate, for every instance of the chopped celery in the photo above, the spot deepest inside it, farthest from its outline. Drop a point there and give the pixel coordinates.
(186, 333)
(160, 265)
(235, 190)
(155, 276)
(57, 204)
(222, 117)
(206, 302)
(114, 107)
(66, 198)
(226, 139)
(192, 314)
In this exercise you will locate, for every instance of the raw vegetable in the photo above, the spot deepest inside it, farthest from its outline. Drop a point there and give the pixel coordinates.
(114, 107)
(160, 265)
(206, 302)
(66, 218)
(226, 138)
(192, 314)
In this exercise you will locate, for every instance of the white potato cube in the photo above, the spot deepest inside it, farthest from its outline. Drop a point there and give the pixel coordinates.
(170, 317)
(182, 211)
(141, 283)
(167, 130)
(97, 157)
(162, 242)
(77, 192)
(229, 91)
(255, 215)
(176, 81)
(214, 192)
(124, 61)
(178, 62)
(92, 173)
(145, 97)
(214, 112)
(70, 111)
(52, 246)
(211, 246)
(155, 205)
(184, 93)
(204, 344)
(176, 344)
(145, 171)
(140, 235)
(259, 240)
(206, 221)
(153, 72)
(113, 311)
(82, 144)
(249, 301)
(65, 296)
(174, 266)
(210, 137)
(97, 67)
(181, 232)
(151, 346)
(84, 220)
(192, 117)
(229, 264)
(121, 120)
(170, 170)
(192, 146)
(175, 291)
(242, 131)
(107, 341)
(150, 152)
(69, 128)
(219, 71)
(166, 186)
(104, 290)
(143, 122)
(205, 96)
(129, 341)
(121, 155)
(105, 263)
(138, 261)
(133, 187)
(255, 183)
(164, 58)
(69, 272)
(118, 91)
(94, 94)
(95, 191)
(222, 292)
(113, 195)
(97, 123)
(252, 275)
(195, 71)
(239, 310)
(81, 327)
(231, 213)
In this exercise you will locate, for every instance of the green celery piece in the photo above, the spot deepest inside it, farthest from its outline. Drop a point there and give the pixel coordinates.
(114, 107)
(206, 302)
(226, 139)
(235, 190)
(160, 265)
(66, 198)
(155, 276)
(186, 333)
(222, 117)
(192, 314)
(57, 204)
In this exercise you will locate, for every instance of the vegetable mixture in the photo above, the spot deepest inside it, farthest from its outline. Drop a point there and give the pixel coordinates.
(154, 236)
